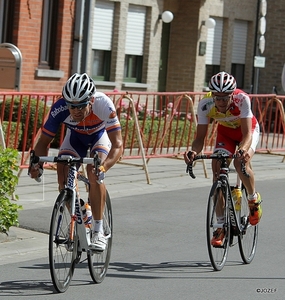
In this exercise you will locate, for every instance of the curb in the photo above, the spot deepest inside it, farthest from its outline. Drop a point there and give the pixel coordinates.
(7, 237)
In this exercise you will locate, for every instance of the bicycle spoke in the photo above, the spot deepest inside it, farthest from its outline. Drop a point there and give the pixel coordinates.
(248, 238)
(98, 262)
(61, 249)
(217, 254)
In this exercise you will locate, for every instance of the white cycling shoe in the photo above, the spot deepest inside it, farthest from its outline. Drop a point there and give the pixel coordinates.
(98, 241)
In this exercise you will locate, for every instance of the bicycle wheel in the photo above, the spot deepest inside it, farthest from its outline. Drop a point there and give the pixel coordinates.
(218, 254)
(62, 251)
(247, 240)
(98, 262)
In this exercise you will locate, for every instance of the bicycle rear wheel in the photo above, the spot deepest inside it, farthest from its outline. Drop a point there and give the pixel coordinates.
(247, 240)
(62, 251)
(98, 262)
(218, 254)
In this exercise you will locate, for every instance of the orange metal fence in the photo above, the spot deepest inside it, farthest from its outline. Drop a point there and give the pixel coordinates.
(153, 124)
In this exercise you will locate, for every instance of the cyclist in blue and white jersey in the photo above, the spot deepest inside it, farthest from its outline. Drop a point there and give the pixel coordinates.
(92, 124)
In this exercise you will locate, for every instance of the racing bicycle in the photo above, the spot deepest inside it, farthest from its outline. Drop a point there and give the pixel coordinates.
(236, 225)
(68, 236)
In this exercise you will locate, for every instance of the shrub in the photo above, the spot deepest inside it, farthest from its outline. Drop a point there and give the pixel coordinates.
(20, 108)
(176, 136)
(13, 141)
(8, 167)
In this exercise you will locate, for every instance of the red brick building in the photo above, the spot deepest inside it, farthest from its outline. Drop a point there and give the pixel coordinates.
(43, 34)
(124, 44)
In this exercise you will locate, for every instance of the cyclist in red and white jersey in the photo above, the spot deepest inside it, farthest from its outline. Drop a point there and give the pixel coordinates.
(92, 124)
(238, 130)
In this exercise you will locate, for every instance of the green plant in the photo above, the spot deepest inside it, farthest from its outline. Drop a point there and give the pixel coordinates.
(13, 141)
(179, 134)
(8, 167)
(30, 113)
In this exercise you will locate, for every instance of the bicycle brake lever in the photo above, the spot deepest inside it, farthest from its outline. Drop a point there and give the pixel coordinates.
(97, 161)
(189, 170)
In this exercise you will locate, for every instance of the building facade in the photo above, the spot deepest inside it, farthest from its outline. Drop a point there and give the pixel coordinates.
(125, 46)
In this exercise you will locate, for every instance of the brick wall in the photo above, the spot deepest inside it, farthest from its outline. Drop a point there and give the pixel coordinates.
(183, 46)
(274, 48)
(27, 39)
(186, 69)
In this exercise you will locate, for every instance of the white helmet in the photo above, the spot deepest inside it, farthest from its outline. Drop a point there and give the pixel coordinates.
(79, 87)
(222, 83)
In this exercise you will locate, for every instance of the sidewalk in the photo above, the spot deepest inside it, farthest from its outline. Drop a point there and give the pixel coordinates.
(124, 179)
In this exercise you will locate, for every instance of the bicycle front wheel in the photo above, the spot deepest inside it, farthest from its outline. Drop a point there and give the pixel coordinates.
(247, 240)
(62, 250)
(218, 254)
(98, 262)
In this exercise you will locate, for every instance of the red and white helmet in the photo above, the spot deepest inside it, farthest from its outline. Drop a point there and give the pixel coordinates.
(79, 88)
(222, 83)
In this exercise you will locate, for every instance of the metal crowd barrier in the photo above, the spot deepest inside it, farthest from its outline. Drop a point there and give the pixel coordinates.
(154, 125)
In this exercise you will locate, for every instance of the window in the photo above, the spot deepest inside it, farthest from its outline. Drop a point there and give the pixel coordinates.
(133, 68)
(134, 43)
(210, 71)
(48, 34)
(213, 50)
(101, 65)
(102, 40)
(6, 20)
(238, 72)
(239, 51)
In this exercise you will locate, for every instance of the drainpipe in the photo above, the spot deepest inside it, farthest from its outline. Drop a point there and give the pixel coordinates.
(86, 36)
(78, 36)
(255, 70)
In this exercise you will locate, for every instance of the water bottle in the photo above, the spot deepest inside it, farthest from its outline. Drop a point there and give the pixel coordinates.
(237, 196)
(86, 213)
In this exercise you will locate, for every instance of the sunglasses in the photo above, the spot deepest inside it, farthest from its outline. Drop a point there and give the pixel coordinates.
(224, 98)
(79, 106)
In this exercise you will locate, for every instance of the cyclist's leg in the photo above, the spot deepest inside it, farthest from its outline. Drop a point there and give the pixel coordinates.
(224, 143)
(97, 192)
(249, 182)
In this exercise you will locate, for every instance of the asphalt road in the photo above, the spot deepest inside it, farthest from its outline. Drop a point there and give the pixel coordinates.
(159, 252)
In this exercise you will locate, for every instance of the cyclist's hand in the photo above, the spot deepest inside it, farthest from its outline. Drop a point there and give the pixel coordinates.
(36, 171)
(243, 155)
(189, 157)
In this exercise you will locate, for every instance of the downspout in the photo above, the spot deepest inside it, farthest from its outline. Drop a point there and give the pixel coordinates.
(78, 36)
(255, 71)
(86, 36)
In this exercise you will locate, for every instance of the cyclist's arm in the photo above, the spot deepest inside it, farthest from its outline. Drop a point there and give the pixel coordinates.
(115, 151)
(41, 149)
(198, 143)
(246, 129)
(246, 122)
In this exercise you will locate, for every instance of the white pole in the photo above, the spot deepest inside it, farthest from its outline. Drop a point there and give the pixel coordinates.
(2, 136)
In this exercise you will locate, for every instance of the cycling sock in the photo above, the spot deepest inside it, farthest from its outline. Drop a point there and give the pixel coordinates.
(252, 197)
(98, 226)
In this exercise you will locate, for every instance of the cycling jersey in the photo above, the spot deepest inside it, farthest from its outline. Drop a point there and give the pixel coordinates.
(102, 116)
(229, 133)
(90, 133)
(239, 108)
